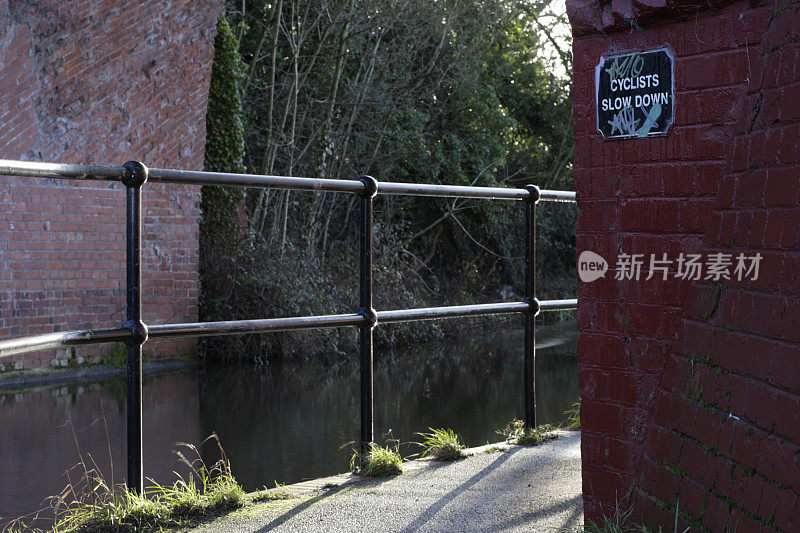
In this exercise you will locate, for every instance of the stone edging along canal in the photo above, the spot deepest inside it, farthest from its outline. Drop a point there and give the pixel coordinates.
(17, 380)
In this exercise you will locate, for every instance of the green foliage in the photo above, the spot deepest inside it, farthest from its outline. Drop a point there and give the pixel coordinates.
(224, 125)
(555, 250)
(123, 510)
(279, 492)
(92, 505)
(573, 416)
(779, 11)
(432, 92)
(224, 132)
(257, 285)
(516, 433)
(620, 522)
(117, 356)
(220, 231)
(539, 102)
(379, 461)
(442, 445)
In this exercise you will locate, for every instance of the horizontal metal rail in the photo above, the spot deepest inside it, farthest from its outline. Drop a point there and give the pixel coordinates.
(191, 177)
(266, 325)
(31, 169)
(62, 339)
(135, 333)
(51, 341)
(460, 191)
(432, 313)
(557, 305)
(548, 195)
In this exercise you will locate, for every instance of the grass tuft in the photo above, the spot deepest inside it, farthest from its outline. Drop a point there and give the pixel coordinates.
(620, 522)
(379, 461)
(573, 420)
(442, 445)
(117, 357)
(516, 433)
(616, 523)
(279, 492)
(90, 504)
(493, 449)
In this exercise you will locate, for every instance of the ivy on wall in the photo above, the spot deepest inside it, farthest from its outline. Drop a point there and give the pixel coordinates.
(224, 134)
(220, 230)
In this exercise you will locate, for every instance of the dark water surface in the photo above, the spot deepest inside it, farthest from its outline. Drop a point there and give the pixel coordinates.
(279, 423)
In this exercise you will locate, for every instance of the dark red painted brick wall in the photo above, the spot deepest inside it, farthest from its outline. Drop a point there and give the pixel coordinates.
(691, 390)
(99, 82)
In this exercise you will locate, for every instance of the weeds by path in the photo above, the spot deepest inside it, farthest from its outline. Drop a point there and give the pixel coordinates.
(516, 433)
(378, 461)
(91, 504)
(442, 445)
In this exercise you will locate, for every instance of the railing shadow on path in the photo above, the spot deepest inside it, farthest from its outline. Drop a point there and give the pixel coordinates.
(431, 511)
(576, 502)
(558, 505)
(426, 516)
(296, 510)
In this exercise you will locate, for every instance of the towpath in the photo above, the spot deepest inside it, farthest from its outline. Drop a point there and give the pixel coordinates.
(515, 489)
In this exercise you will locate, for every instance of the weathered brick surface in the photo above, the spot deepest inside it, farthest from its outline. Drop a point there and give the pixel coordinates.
(691, 390)
(102, 83)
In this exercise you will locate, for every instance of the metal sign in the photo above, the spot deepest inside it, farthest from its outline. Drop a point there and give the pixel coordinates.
(635, 94)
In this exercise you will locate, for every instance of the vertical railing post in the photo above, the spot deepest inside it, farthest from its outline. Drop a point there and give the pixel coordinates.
(366, 310)
(134, 177)
(533, 305)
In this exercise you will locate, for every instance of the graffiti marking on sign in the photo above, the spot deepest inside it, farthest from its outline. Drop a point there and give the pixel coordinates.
(634, 94)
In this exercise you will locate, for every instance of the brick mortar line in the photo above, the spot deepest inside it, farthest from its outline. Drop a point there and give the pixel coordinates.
(678, 472)
(736, 329)
(712, 405)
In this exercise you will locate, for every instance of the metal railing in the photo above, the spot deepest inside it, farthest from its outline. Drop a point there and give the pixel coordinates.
(134, 332)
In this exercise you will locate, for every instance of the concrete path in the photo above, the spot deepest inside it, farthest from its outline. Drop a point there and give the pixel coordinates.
(519, 489)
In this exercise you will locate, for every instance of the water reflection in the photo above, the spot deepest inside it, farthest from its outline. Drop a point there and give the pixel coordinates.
(45, 432)
(293, 422)
(281, 423)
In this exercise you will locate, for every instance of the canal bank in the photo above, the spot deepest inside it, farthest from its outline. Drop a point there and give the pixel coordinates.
(278, 423)
(25, 380)
(496, 488)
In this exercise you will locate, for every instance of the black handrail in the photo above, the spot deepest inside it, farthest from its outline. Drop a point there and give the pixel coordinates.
(134, 332)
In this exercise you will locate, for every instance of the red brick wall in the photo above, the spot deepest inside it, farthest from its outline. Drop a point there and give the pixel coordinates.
(691, 390)
(99, 82)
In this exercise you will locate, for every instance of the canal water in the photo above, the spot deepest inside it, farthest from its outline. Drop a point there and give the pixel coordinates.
(281, 423)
